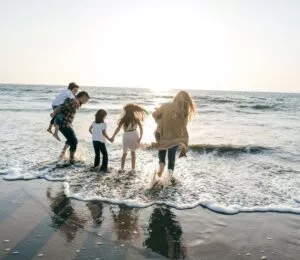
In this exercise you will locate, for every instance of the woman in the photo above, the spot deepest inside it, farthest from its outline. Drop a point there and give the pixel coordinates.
(172, 131)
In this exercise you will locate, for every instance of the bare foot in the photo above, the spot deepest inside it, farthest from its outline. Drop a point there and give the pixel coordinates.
(49, 130)
(55, 135)
(159, 173)
(132, 171)
(154, 179)
(173, 181)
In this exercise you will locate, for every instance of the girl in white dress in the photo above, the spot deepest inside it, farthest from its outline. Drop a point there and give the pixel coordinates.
(131, 120)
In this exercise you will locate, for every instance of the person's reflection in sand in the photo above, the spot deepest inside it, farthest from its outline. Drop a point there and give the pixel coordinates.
(126, 222)
(64, 218)
(96, 209)
(165, 234)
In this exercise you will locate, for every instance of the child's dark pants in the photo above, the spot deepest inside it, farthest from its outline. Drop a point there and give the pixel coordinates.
(100, 147)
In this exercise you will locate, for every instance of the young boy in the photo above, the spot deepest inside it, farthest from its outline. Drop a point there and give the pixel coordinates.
(69, 92)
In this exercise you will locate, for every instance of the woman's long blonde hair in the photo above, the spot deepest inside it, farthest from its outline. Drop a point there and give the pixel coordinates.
(184, 105)
(132, 114)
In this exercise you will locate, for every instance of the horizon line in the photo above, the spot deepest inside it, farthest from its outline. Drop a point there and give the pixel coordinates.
(139, 87)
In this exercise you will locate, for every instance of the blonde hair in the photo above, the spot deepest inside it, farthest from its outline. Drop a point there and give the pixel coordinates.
(132, 114)
(184, 105)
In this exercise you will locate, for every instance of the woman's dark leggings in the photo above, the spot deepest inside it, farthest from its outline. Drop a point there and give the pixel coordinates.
(100, 147)
(171, 157)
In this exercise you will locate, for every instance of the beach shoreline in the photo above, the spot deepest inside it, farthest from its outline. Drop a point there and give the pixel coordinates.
(37, 220)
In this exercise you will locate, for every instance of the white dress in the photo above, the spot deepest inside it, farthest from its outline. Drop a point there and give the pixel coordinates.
(130, 138)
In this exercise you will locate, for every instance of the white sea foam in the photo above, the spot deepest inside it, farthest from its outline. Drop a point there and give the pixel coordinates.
(14, 173)
(12, 170)
(192, 190)
(228, 210)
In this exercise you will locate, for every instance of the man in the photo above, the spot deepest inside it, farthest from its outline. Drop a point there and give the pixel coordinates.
(68, 110)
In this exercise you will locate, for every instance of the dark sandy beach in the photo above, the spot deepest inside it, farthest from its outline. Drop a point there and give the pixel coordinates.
(38, 222)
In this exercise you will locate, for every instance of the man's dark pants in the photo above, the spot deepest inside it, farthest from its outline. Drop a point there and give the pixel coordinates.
(70, 135)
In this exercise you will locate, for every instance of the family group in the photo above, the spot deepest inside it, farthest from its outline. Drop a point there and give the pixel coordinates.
(171, 133)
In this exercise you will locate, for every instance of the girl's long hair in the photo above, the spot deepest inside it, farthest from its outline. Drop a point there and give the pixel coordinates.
(99, 116)
(132, 114)
(184, 105)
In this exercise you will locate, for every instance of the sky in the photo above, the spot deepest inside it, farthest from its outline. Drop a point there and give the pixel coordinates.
(189, 44)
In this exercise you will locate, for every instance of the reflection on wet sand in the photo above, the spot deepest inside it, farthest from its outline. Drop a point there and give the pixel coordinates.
(96, 209)
(165, 234)
(64, 218)
(126, 222)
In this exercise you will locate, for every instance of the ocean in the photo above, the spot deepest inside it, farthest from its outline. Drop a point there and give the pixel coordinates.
(246, 156)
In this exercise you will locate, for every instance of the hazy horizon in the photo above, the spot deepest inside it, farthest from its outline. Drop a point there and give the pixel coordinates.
(165, 89)
(205, 45)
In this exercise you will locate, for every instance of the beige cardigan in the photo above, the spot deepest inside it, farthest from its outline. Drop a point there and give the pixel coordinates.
(173, 129)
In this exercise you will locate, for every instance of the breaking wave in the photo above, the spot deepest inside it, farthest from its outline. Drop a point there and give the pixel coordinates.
(227, 149)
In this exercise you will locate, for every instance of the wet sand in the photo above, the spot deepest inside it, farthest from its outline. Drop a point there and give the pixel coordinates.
(37, 221)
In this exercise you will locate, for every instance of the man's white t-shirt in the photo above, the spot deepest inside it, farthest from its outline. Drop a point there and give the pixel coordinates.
(97, 132)
(62, 96)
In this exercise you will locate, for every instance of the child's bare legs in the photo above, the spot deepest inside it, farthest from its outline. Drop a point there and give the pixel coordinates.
(123, 161)
(55, 134)
(133, 159)
(49, 129)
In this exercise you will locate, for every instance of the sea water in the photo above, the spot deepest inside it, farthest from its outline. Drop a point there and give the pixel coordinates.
(245, 158)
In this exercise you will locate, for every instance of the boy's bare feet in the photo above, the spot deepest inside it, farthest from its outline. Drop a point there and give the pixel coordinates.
(55, 135)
